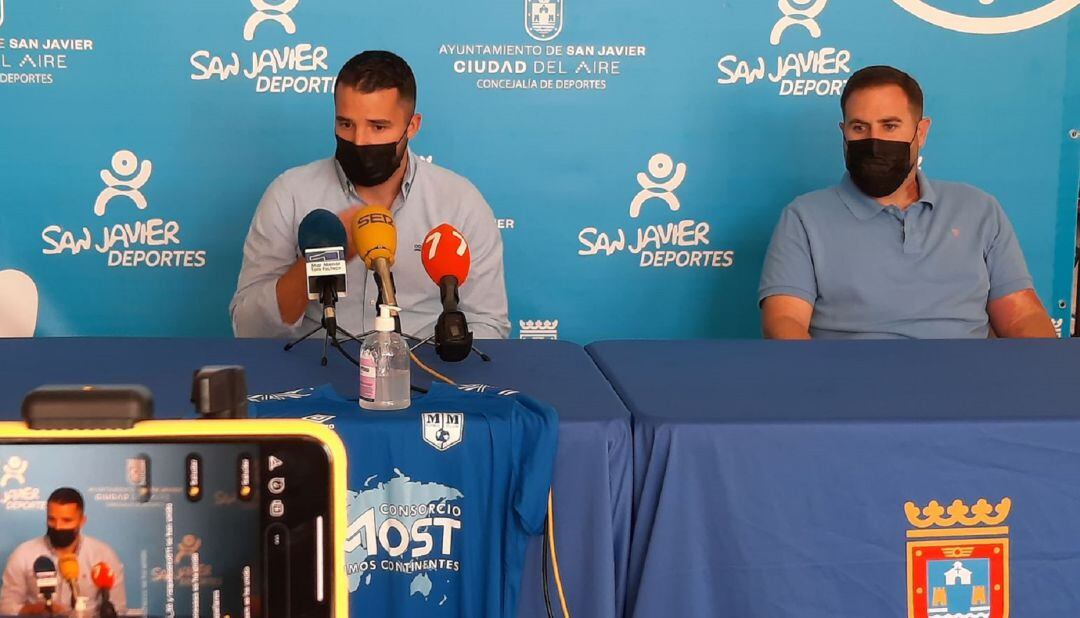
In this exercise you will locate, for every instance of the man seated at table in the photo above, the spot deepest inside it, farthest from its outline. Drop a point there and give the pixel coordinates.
(889, 253)
(375, 117)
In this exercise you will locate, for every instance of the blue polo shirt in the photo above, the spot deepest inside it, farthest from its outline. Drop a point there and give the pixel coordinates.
(874, 272)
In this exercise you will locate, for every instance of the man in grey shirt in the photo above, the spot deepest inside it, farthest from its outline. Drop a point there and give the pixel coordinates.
(890, 253)
(375, 117)
(65, 520)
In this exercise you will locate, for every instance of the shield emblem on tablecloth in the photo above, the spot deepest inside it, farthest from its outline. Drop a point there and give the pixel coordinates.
(958, 560)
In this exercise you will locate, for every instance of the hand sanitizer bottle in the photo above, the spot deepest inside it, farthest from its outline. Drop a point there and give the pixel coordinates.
(384, 366)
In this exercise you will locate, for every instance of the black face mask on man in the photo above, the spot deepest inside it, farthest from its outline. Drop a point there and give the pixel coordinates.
(371, 164)
(878, 167)
(61, 539)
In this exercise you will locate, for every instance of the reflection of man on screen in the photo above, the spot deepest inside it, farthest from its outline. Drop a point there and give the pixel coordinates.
(65, 519)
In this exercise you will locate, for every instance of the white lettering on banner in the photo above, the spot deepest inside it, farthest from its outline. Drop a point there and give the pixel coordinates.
(126, 244)
(659, 245)
(265, 66)
(38, 68)
(789, 71)
(303, 68)
(816, 72)
(541, 67)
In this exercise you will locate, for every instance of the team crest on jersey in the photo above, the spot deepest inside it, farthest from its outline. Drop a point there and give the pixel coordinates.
(951, 574)
(443, 429)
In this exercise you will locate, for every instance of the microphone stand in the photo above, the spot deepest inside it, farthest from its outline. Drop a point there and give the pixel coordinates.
(105, 608)
(328, 296)
(413, 338)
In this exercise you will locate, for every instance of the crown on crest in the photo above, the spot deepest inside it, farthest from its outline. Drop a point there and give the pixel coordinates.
(982, 513)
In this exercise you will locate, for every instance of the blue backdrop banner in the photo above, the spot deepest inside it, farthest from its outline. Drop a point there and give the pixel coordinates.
(635, 153)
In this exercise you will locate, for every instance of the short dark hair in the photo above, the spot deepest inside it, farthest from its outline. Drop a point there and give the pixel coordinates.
(378, 70)
(882, 75)
(67, 495)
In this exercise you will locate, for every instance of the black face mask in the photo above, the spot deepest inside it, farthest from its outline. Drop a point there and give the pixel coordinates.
(878, 167)
(61, 538)
(371, 164)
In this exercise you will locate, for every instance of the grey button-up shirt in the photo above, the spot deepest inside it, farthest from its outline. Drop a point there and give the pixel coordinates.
(19, 586)
(430, 195)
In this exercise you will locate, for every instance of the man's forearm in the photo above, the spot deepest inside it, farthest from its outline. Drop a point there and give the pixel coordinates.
(785, 328)
(1033, 325)
(291, 291)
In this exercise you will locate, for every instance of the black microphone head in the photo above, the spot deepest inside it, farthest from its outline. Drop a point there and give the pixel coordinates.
(321, 228)
(44, 564)
(45, 573)
(453, 340)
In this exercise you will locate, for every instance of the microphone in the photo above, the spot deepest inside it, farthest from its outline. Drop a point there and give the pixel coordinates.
(45, 574)
(69, 570)
(375, 239)
(104, 580)
(322, 240)
(446, 258)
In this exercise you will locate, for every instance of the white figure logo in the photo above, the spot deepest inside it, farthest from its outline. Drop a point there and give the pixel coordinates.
(265, 11)
(126, 164)
(988, 25)
(18, 304)
(660, 183)
(187, 547)
(14, 470)
(801, 12)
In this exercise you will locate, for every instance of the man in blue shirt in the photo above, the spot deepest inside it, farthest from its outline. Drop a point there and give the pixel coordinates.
(889, 253)
(375, 117)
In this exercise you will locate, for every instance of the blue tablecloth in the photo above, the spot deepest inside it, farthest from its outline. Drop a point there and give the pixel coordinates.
(771, 478)
(592, 483)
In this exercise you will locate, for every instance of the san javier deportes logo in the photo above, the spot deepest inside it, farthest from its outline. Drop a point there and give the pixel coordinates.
(815, 72)
(299, 68)
(151, 242)
(1039, 13)
(15, 493)
(680, 244)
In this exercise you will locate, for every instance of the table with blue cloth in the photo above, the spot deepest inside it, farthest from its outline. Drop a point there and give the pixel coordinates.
(862, 479)
(592, 479)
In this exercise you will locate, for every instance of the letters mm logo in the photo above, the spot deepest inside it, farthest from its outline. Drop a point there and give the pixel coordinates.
(443, 430)
(958, 560)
